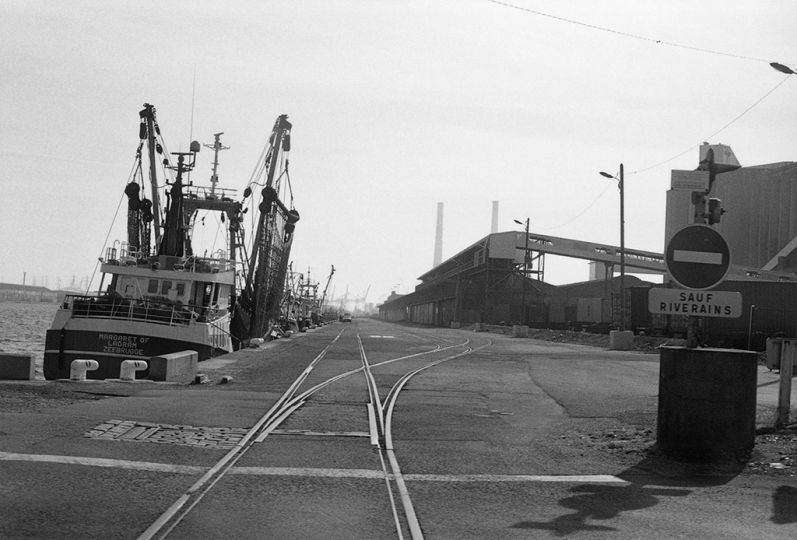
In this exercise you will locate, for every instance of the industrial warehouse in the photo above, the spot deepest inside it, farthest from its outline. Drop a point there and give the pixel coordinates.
(499, 279)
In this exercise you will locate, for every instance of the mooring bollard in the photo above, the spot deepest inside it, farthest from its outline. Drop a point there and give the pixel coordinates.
(79, 367)
(129, 368)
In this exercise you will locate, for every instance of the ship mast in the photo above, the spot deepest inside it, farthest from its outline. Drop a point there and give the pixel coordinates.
(281, 128)
(216, 147)
(148, 114)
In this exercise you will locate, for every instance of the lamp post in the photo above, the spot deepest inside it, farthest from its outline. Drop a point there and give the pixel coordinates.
(783, 69)
(525, 272)
(621, 186)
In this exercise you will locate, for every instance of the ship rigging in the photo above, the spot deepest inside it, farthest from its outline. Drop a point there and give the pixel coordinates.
(159, 295)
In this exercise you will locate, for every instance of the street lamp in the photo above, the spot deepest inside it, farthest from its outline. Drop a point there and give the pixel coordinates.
(620, 185)
(783, 69)
(525, 273)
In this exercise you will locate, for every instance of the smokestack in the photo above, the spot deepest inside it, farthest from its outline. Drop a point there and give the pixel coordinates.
(494, 225)
(438, 236)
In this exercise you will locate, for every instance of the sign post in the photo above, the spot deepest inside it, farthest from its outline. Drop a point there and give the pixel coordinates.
(706, 396)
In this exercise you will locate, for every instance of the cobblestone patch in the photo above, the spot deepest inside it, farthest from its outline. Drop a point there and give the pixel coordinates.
(203, 437)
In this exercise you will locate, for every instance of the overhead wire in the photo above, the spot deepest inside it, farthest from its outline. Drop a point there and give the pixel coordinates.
(657, 42)
(626, 34)
(673, 158)
(584, 211)
(720, 130)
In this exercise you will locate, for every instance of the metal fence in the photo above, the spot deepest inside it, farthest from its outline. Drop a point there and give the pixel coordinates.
(100, 307)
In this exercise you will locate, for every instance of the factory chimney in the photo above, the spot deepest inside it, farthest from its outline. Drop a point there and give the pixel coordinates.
(438, 236)
(494, 224)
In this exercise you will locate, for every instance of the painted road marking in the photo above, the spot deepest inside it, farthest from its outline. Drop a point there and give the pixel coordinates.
(311, 433)
(309, 471)
(577, 478)
(702, 257)
(103, 462)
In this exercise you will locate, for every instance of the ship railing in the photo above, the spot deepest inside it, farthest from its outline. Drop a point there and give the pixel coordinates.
(112, 307)
(124, 255)
(219, 263)
(208, 193)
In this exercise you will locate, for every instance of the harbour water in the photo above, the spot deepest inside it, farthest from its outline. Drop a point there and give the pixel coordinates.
(22, 328)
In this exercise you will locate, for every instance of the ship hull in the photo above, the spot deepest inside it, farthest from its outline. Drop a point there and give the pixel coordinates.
(110, 343)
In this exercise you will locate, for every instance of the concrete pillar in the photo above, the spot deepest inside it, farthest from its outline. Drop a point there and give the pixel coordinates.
(621, 340)
(707, 403)
(17, 366)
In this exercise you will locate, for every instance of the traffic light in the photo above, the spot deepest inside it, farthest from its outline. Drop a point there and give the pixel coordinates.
(699, 205)
(715, 211)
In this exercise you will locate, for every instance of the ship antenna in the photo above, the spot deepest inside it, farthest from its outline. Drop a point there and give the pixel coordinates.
(216, 147)
(193, 106)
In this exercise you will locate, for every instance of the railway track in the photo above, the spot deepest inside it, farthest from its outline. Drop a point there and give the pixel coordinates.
(380, 407)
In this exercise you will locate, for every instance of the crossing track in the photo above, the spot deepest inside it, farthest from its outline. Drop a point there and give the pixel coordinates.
(380, 414)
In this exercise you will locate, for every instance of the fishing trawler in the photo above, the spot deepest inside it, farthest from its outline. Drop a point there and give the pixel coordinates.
(158, 294)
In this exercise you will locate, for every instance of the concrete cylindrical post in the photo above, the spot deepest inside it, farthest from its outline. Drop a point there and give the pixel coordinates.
(707, 403)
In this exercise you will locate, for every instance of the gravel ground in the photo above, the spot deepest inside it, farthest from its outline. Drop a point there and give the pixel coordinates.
(34, 398)
(775, 451)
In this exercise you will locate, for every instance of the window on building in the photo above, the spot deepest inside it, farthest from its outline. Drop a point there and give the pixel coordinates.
(152, 286)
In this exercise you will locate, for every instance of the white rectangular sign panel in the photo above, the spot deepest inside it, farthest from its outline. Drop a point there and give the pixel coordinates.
(726, 304)
(689, 180)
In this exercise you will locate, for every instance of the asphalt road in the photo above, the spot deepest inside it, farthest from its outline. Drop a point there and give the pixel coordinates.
(514, 438)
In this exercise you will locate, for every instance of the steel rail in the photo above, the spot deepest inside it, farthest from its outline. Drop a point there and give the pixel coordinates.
(390, 402)
(178, 510)
(285, 405)
(373, 390)
(309, 392)
(377, 432)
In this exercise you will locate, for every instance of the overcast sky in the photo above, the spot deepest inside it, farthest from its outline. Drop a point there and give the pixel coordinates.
(396, 106)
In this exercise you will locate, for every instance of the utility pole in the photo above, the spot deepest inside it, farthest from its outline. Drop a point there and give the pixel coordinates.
(621, 186)
(525, 273)
(622, 248)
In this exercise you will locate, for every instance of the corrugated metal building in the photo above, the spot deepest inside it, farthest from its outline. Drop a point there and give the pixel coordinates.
(482, 283)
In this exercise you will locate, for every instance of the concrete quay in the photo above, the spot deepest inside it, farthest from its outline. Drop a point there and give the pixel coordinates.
(517, 439)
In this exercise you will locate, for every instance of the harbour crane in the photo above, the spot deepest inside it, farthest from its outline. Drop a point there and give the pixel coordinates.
(326, 288)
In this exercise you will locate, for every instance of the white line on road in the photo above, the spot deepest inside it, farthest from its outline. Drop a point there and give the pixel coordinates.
(574, 478)
(103, 462)
(309, 471)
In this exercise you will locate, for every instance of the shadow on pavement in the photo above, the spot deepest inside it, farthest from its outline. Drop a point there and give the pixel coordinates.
(784, 505)
(648, 481)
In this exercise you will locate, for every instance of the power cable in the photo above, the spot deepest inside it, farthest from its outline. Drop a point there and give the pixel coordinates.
(659, 164)
(584, 211)
(720, 130)
(626, 34)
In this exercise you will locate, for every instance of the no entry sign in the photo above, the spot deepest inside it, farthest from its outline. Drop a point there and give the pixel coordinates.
(697, 257)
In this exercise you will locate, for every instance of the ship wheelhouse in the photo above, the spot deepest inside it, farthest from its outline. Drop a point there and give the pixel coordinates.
(166, 290)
